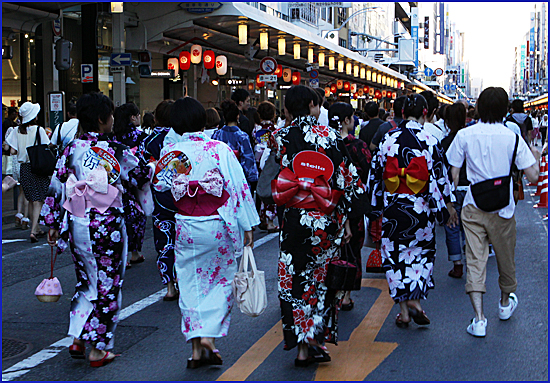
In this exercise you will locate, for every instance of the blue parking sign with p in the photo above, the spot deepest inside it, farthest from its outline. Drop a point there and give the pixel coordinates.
(87, 73)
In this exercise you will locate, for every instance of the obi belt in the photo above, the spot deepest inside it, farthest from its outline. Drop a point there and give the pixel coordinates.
(410, 180)
(295, 192)
(199, 198)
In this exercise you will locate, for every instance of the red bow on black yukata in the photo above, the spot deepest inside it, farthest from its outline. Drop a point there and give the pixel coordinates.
(416, 176)
(289, 190)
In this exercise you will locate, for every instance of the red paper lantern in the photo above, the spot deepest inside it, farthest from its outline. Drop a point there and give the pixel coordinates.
(185, 60)
(279, 71)
(333, 88)
(250, 86)
(339, 84)
(296, 78)
(366, 89)
(378, 94)
(347, 86)
(384, 93)
(259, 84)
(327, 91)
(209, 59)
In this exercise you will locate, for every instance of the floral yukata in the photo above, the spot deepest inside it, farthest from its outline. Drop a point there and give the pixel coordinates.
(94, 230)
(134, 215)
(164, 221)
(263, 143)
(408, 219)
(207, 235)
(310, 238)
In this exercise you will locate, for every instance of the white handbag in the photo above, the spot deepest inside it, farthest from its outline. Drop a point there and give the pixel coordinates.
(249, 286)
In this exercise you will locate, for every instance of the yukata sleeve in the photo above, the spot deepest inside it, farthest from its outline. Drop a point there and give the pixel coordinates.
(375, 185)
(247, 159)
(364, 160)
(136, 172)
(440, 189)
(347, 180)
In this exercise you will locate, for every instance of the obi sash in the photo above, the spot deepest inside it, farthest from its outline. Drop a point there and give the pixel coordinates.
(291, 191)
(94, 192)
(199, 198)
(416, 176)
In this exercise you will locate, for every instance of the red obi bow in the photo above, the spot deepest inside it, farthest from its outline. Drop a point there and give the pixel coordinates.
(416, 176)
(288, 190)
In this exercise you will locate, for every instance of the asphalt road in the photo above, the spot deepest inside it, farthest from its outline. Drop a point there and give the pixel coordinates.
(371, 347)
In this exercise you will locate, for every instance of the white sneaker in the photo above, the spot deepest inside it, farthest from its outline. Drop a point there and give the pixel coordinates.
(504, 313)
(477, 328)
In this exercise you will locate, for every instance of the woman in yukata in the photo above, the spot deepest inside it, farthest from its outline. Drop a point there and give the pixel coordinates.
(214, 207)
(340, 117)
(84, 210)
(164, 221)
(126, 131)
(316, 184)
(410, 188)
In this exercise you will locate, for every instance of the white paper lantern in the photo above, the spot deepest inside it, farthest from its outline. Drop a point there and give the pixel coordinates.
(174, 63)
(221, 65)
(196, 54)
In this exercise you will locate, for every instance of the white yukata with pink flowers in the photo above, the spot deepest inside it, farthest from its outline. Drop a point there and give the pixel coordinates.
(206, 246)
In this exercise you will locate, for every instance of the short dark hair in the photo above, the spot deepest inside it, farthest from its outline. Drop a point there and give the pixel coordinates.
(398, 104)
(187, 115)
(71, 109)
(441, 111)
(162, 113)
(517, 105)
(455, 116)
(92, 107)
(253, 116)
(341, 110)
(414, 106)
(298, 98)
(320, 93)
(492, 105)
(432, 101)
(212, 118)
(371, 109)
(230, 111)
(148, 120)
(266, 110)
(122, 119)
(240, 95)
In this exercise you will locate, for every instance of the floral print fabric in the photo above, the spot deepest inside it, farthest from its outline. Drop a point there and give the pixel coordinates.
(408, 221)
(239, 142)
(310, 239)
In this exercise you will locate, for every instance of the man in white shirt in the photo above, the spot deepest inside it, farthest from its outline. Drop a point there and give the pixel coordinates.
(323, 116)
(488, 146)
(67, 130)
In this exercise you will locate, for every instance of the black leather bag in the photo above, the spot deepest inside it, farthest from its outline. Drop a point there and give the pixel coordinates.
(494, 194)
(269, 172)
(42, 158)
(341, 273)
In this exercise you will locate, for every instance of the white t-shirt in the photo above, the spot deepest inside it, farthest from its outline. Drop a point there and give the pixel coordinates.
(433, 130)
(323, 117)
(68, 131)
(488, 149)
(21, 142)
(513, 127)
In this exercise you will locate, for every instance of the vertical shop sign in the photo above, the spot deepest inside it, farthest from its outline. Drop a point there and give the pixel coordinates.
(414, 33)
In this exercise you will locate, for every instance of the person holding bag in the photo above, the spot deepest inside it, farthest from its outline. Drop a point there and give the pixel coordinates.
(216, 214)
(490, 149)
(316, 184)
(34, 186)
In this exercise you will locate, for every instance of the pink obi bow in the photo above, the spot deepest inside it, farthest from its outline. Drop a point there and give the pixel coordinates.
(94, 192)
(212, 183)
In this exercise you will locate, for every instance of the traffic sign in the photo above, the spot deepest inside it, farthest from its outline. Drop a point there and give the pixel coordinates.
(268, 65)
(313, 74)
(117, 69)
(118, 59)
(268, 77)
(428, 72)
(438, 72)
(86, 73)
(453, 87)
(446, 86)
(314, 83)
(56, 26)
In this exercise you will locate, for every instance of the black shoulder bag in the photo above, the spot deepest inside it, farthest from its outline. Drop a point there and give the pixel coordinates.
(42, 158)
(494, 194)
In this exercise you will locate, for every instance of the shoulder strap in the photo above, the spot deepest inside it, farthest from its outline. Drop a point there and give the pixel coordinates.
(514, 155)
(393, 124)
(59, 134)
(37, 137)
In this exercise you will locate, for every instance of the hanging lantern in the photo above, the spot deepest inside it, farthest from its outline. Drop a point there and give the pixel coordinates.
(369, 75)
(378, 94)
(185, 60)
(384, 93)
(353, 88)
(362, 72)
(310, 55)
(366, 89)
(347, 86)
(371, 92)
(259, 84)
(196, 54)
(173, 64)
(296, 77)
(282, 46)
(356, 95)
(327, 91)
(251, 86)
(394, 95)
(221, 65)
(264, 39)
(348, 68)
(321, 59)
(287, 75)
(331, 63)
(339, 84)
(379, 78)
(356, 71)
(243, 34)
(279, 71)
(333, 88)
(296, 51)
(209, 59)
(340, 66)
(383, 80)
(360, 92)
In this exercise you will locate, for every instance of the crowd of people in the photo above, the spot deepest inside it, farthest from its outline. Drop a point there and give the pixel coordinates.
(343, 174)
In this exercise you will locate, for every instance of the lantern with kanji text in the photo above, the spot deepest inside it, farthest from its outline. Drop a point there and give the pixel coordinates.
(185, 60)
(221, 65)
(296, 78)
(209, 59)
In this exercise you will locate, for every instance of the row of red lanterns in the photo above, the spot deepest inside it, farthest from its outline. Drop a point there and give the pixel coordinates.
(347, 87)
(286, 74)
(209, 58)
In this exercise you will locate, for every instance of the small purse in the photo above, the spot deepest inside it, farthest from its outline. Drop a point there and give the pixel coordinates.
(249, 286)
(341, 273)
(494, 194)
(49, 290)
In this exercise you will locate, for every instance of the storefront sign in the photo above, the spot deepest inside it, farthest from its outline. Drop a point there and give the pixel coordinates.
(338, 4)
(55, 106)
(200, 8)
(166, 73)
(231, 81)
(117, 69)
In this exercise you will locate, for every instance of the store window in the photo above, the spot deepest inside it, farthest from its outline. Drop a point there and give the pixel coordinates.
(11, 68)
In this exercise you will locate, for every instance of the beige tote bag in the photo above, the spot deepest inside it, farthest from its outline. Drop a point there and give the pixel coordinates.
(249, 286)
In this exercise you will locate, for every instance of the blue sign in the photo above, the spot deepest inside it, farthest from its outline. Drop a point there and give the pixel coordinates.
(313, 74)
(453, 87)
(428, 72)
(314, 83)
(118, 59)
(446, 87)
